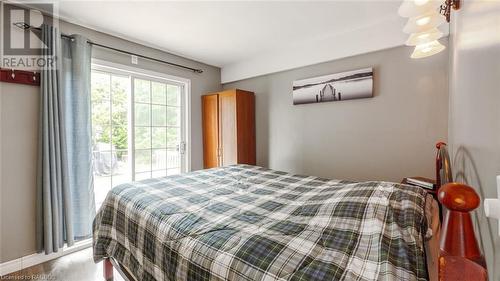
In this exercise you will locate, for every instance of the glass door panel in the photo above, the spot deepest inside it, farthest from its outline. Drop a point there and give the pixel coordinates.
(158, 128)
(110, 99)
(138, 128)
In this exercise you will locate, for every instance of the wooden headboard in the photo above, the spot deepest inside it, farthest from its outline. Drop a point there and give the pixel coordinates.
(460, 257)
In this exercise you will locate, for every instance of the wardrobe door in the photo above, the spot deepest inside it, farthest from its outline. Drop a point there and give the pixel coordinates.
(227, 128)
(245, 110)
(210, 116)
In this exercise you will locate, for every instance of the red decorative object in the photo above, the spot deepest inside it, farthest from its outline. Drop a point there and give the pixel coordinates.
(20, 77)
(460, 258)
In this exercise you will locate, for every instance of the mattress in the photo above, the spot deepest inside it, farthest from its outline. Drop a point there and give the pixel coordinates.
(250, 223)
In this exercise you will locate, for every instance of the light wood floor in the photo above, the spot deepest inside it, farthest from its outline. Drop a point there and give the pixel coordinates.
(77, 266)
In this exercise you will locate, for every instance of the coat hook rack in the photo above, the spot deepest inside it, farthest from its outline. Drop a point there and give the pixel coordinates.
(20, 77)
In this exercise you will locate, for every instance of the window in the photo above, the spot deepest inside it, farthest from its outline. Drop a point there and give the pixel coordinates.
(138, 127)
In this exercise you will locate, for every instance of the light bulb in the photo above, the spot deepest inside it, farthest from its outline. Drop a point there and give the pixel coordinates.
(424, 37)
(413, 8)
(420, 2)
(427, 49)
(423, 22)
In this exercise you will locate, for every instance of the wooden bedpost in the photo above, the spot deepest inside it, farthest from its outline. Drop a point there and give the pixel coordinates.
(107, 269)
(460, 257)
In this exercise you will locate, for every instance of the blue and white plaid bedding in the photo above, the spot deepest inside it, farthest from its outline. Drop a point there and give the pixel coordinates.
(251, 223)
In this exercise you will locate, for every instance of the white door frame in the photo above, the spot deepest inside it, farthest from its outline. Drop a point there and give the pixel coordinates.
(185, 84)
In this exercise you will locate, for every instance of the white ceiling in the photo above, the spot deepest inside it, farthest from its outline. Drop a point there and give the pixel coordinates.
(247, 39)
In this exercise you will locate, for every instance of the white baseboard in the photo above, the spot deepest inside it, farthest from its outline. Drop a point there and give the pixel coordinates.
(34, 259)
(10, 266)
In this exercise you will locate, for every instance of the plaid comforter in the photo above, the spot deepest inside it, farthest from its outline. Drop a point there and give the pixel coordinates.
(250, 223)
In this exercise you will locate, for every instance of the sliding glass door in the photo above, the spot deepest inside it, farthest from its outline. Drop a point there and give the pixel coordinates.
(157, 127)
(138, 127)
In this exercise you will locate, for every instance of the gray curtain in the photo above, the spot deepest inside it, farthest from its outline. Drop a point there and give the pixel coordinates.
(65, 195)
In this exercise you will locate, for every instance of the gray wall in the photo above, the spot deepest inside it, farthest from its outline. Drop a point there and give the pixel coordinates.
(387, 137)
(474, 130)
(18, 149)
(19, 119)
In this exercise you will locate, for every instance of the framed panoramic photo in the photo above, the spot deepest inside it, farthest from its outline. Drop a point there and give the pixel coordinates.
(356, 84)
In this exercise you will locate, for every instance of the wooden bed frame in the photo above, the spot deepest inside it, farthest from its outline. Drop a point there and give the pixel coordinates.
(109, 264)
(460, 258)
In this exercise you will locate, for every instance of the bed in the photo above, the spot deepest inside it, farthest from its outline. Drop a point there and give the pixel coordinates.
(251, 223)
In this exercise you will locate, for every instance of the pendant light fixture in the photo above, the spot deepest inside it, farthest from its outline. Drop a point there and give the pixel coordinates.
(424, 18)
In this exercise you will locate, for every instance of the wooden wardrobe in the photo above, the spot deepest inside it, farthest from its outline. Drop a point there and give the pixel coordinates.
(228, 128)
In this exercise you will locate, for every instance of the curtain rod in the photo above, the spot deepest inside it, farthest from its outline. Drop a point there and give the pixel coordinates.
(24, 25)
